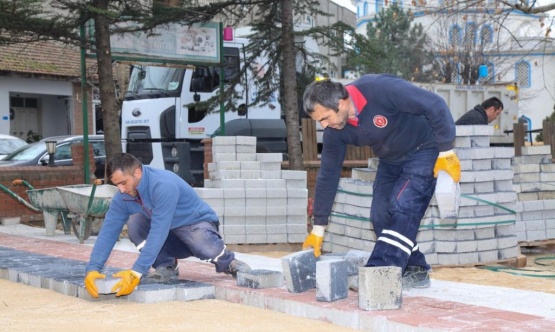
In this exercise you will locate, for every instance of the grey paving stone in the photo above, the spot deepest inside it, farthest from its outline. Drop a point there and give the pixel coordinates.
(356, 259)
(153, 293)
(187, 290)
(380, 288)
(299, 270)
(258, 279)
(332, 282)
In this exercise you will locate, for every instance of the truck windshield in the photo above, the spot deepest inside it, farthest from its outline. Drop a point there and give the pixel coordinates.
(154, 79)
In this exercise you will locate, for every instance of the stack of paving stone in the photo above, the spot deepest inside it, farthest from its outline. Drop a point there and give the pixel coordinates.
(484, 230)
(535, 186)
(256, 201)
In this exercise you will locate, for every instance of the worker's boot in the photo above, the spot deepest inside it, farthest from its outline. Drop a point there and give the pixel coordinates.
(237, 266)
(161, 275)
(416, 277)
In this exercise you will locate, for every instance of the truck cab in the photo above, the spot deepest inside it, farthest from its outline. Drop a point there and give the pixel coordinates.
(164, 118)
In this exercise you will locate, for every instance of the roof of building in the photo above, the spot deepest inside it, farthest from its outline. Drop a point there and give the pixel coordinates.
(41, 58)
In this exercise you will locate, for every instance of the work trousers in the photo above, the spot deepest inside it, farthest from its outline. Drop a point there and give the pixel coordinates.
(200, 240)
(401, 194)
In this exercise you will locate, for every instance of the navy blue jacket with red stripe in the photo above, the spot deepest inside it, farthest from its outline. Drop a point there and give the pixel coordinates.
(395, 118)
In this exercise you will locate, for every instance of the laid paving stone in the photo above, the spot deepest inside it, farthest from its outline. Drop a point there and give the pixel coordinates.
(187, 290)
(299, 270)
(258, 279)
(331, 280)
(153, 293)
(67, 286)
(380, 288)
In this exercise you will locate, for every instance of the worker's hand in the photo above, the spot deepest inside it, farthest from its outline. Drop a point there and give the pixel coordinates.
(314, 239)
(129, 280)
(448, 162)
(90, 284)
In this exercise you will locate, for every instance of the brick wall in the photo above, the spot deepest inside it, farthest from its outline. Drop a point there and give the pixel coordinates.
(40, 177)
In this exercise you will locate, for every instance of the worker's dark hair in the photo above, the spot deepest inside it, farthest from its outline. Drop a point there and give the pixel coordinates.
(325, 93)
(493, 101)
(124, 162)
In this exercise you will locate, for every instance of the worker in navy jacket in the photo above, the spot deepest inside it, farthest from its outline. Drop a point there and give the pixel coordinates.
(165, 219)
(412, 131)
(482, 114)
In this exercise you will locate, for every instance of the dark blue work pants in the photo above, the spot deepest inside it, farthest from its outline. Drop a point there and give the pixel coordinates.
(402, 193)
(200, 240)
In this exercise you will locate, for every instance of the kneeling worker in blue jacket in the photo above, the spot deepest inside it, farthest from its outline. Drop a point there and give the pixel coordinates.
(166, 220)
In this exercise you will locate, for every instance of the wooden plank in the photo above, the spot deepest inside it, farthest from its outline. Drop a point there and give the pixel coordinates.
(309, 143)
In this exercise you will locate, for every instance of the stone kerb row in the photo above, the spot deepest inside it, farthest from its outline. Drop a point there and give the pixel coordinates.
(484, 232)
(255, 200)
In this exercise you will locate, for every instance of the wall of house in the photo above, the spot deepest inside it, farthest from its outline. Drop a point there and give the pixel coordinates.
(10, 85)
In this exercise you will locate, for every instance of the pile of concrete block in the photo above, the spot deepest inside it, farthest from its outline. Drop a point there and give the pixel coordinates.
(535, 186)
(484, 230)
(256, 201)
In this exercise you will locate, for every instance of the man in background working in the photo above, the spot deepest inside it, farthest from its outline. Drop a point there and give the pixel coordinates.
(412, 131)
(166, 220)
(482, 114)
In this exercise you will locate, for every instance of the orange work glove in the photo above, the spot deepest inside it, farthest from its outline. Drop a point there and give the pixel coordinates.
(129, 280)
(314, 239)
(90, 284)
(448, 162)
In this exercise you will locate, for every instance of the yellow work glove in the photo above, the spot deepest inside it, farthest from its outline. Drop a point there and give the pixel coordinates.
(129, 280)
(90, 284)
(314, 239)
(448, 162)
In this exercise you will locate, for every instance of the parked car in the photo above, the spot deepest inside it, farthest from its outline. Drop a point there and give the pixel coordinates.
(36, 154)
(9, 144)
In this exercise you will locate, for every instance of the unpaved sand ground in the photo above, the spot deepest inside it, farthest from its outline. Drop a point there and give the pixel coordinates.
(25, 308)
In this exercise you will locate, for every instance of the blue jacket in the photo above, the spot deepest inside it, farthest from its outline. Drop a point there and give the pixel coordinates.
(170, 203)
(395, 118)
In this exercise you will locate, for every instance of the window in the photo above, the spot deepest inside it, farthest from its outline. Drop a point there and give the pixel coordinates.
(455, 73)
(63, 152)
(379, 5)
(98, 148)
(455, 35)
(470, 34)
(522, 74)
(486, 34)
(24, 102)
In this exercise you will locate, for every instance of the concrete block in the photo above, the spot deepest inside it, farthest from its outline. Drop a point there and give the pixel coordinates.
(153, 293)
(186, 290)
(299, 270)
(380, 288)
(224, 140)
(258, 279)
(7, 221)
(332, 282)
(356, 259)
(447, 194)
(105, 285)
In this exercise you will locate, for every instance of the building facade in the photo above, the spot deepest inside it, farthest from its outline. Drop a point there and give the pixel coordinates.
(40, 83)
(514, 46)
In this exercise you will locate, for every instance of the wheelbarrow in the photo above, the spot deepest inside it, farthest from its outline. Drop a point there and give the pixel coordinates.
(45, 200)
(85, 204)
